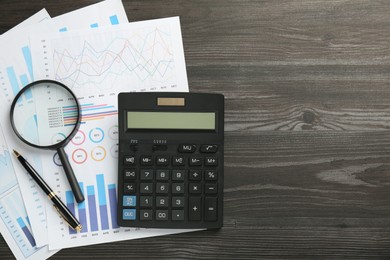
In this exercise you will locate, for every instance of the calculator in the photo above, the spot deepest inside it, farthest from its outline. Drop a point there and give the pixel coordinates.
(170, 162)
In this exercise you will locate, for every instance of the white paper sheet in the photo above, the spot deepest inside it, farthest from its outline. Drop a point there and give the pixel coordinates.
(16, 71)
(141, 56)
(15, 224)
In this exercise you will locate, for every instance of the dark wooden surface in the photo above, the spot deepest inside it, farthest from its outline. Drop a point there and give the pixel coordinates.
(307, 87)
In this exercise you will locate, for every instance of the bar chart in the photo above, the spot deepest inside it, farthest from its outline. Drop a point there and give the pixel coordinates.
(17, 82)
(15, 218)
(113, 21)
(98, 211)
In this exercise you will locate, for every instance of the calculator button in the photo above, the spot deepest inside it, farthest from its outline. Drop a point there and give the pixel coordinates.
(146, 201)
(195, 188)
(211, 188)
(177, 188)
(178, 161)
(195, 161)
(129, 201)
(162, 175)
(162, 202)
(161, 214)
(162, 160)
(195, 208)
(210, 209)
(177, 215)
(177, 202)
(209, 148)
(146, 160)
(146, 188)
(162, 188)
(130, 174)
(129, 160)
(146, 214)
(195, 175)
(210, 175)
(128, 214)
(211, 161)
(129, 188)
(186, 148)
(146, 174)
(178, 175)
(158, 147)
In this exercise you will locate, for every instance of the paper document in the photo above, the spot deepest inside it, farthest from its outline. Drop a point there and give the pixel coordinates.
(15, 223)
(141, 56)
(16, 70)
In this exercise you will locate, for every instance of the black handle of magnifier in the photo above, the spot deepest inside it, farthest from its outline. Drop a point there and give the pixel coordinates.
(78, 194)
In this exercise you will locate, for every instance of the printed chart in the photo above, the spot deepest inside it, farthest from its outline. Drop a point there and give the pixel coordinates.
(141, 56)
(13, 77)
(17, 222)
(13, 215)
(100, 201)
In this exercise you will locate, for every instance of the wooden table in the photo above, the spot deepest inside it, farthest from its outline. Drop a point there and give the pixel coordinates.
(307, 158)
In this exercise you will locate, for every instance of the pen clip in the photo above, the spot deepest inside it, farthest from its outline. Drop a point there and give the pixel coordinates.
(78, 228)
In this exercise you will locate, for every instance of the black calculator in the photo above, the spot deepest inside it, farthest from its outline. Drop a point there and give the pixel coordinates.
(170, 168)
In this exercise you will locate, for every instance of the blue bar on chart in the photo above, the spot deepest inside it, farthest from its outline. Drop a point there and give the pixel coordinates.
(94, 25)
(70, 204)
(82, 212)
(26, 231)
(13, 80)
(28, 59)
(114, 20)
(113, 201)
(24, 81)
(92, 208)
(102, 201)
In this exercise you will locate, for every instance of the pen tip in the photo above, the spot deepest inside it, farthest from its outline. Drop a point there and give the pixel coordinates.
(79, 228)
(16, 153)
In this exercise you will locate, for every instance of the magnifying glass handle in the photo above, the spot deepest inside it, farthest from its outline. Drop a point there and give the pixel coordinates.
(78, 194)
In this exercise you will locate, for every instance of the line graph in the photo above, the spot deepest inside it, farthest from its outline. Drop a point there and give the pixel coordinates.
(142, 58)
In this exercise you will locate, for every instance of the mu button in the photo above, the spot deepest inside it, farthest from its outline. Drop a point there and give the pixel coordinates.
(186, 148)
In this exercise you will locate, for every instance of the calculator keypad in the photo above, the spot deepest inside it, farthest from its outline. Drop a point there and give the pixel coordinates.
(180, 186)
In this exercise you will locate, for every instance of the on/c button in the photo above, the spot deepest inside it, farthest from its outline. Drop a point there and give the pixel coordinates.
(129, 201)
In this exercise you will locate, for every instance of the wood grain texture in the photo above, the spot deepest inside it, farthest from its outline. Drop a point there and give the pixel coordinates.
(307, 156)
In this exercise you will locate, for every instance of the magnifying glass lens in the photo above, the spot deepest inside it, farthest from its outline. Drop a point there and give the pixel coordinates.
(45, 114)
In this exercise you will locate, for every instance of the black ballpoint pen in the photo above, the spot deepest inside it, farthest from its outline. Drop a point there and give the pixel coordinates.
(58, 204)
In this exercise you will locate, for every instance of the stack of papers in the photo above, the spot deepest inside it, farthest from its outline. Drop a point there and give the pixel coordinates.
(97, 53)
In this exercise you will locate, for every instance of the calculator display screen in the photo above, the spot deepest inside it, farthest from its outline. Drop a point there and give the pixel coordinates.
(171, 120)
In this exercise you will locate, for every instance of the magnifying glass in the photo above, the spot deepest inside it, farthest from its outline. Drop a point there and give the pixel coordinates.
(46, 114)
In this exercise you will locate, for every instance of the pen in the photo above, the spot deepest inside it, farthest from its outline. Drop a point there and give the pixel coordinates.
(58, 204)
